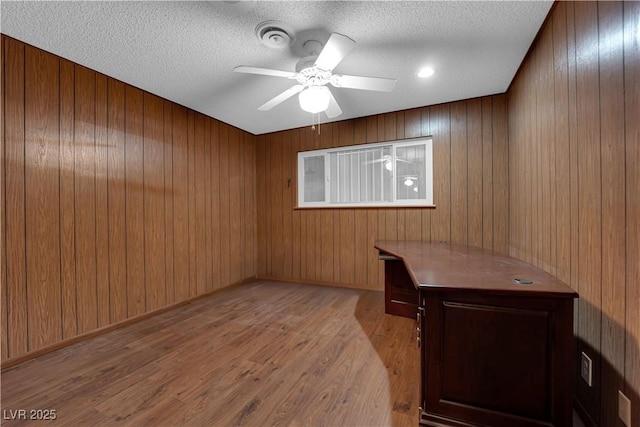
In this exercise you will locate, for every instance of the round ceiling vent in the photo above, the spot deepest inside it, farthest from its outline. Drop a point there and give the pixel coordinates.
(274, 34)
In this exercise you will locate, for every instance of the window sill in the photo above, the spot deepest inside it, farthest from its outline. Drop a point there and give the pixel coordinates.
(337, 207)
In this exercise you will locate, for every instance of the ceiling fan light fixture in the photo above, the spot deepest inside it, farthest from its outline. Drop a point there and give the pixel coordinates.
(314, 99)
(425, 72)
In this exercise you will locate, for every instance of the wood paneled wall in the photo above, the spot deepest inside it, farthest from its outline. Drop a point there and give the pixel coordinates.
(335, 246)
(574, 160)
(115, 203)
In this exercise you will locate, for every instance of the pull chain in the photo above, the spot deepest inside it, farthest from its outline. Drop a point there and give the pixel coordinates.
(315, 117)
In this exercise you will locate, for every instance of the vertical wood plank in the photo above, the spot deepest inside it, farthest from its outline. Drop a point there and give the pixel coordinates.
(382, 213)
(154, 220)
(573, 154)
(297, 256)
(313, 243)
(191, 197)
(326, 223)
(286, 241)
(426, 130)
(241, 213)
(374, 270)
(475, 183)
(235, 191)
(85, 198)
(14, 123)
(589, 170)
(589, 215)
(535, 134)
(531, 164)
(201, 258)
(402, 213)
(134, 176)
(362, 247)
(546, 115)
(413, 217)
(261, 200)
(335, 216)
(550, 132)
(500, 175)
(632, 157)
(561, 110)
(413, 224)
(208, 206)
(487, 172)
(42, 198)
(272, 205)
(459, 170)
(441, 217)
(251, 206)
(67, 201)
(180, 203)
(4, 355)
(522, 215)
(305, 215)
(515, 186)
(244, 209)
(388, 133)
(169, 193)
(347, 249)
(215, 205)
(102, 203)
(611, 42)
(224, 205)
(116, 173)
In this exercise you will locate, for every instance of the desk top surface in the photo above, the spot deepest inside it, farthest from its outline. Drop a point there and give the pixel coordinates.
(444, 266)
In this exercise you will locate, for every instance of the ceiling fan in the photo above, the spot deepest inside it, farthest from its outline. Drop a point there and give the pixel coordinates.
(314, 72)
(387, 161)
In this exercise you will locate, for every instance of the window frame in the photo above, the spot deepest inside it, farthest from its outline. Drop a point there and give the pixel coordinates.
(427, 202)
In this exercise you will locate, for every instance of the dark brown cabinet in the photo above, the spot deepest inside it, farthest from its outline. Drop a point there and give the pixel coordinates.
(496, 350)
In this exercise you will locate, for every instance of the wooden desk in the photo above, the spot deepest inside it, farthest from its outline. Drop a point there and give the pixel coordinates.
(494, 352)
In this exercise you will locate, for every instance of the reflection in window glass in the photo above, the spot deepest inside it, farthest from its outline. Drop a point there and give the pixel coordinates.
(314, 179)
(411, 180)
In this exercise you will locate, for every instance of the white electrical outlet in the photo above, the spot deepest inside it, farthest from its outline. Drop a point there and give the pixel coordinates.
(586, 369)
(624, 409)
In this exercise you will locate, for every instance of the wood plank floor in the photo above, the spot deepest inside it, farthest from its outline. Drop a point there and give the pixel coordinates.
(263, 354)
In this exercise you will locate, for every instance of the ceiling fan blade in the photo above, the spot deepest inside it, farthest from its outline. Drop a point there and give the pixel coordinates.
(365, 83)
(264, 71)
(333, 110)
(281, 98)
(385, 159)
(337, 47)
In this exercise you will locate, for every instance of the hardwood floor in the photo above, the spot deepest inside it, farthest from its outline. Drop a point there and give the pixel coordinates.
(264, 353)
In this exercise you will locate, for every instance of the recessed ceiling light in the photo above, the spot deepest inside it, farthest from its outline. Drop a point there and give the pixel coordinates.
(425, 72)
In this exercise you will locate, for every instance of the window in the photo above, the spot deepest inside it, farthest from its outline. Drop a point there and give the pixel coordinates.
(373, 175)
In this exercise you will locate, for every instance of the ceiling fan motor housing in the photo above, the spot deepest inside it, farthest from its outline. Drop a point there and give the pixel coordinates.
(309, 74)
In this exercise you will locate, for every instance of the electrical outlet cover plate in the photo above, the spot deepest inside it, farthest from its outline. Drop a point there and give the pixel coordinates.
(586, 369)
(624, 409)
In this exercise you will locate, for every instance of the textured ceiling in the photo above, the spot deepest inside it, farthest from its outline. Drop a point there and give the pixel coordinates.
(186, 51)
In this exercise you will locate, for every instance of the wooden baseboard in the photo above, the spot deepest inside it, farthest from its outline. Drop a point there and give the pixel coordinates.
(9, 363)
(583, 414)
(318, 282)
